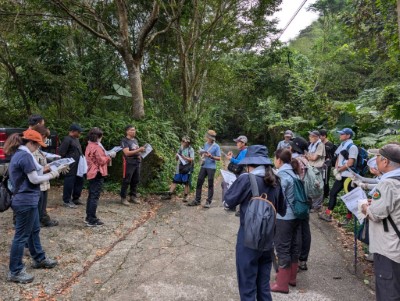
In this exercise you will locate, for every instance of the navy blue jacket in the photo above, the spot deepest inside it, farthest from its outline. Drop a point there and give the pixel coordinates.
(240, 193)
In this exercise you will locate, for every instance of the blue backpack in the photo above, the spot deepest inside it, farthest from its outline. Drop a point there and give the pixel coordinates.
(300, 205)
(259, 220)
(360, 166)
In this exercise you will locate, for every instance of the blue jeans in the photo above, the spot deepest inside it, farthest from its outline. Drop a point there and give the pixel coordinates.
(27, 229)
(253, 271)
(72, 187)
(95, 186)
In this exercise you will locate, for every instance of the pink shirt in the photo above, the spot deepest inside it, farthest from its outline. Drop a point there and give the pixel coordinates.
(96, 159)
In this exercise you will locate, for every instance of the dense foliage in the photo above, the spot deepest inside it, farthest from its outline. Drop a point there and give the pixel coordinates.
(205, 64)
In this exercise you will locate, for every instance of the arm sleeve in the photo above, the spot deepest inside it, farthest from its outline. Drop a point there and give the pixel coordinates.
(63, 149)
(281, 203)
(240, 157)
(218, 151)
(381, 206)
(35, 178)
(101, 158)
(353, 152)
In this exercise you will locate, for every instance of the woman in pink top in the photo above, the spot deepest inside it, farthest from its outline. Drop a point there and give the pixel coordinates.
(97, 160)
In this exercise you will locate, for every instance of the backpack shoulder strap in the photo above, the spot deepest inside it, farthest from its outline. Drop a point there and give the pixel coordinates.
(254, 186)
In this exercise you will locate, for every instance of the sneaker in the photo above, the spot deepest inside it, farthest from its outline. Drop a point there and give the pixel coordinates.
(325, 217)
(21, 277)
(166, 196)
(344, 222)
(193, 203)
(125, 202)
(185, 199)
(50, 223)
(95, 223)
(134, 200)
(369, 257)
(86, 221)
(303, 265)
(46, 263)
(77, 202)
(70, 205)
(207, 205)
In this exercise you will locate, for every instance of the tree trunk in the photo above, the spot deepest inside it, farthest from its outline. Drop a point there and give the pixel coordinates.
(135, 83)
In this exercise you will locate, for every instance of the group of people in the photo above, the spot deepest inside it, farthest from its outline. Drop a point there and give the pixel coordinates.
(277, 180)
(30, 173)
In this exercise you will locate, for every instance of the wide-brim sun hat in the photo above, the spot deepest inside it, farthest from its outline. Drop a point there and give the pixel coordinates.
(256, 155)
(211, 135)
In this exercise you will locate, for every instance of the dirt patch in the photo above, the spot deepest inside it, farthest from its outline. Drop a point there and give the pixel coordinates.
(74, 245)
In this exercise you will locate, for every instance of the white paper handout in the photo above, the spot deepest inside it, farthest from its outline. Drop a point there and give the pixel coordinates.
(65, 161)
(202, 151)
(147, 150)
(228, 176)
(115, 149)
(351, 200)
(183, 161)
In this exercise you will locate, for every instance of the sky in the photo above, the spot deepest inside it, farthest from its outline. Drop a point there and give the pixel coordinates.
(301, 21)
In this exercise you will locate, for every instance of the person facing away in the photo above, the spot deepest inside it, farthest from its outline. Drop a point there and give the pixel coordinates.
(285, 142)
(73, 183)
(287, 227)
(186, 152)
(211, 153)
(254, 267)
(97, 159)
(383, 213)
(131, 166)
(25, 176)
(330, 149)
(347, 153)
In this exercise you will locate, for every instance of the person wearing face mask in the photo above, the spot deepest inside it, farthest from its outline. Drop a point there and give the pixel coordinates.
(97, 159)
(25, 176)
(383, 212)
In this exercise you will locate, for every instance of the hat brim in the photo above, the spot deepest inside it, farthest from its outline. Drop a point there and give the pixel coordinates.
(210, 137)
(313, 134)
(296, 148)
(373, 151)
(255, 161)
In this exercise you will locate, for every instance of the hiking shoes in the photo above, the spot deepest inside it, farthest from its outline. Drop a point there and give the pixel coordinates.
(325, 217)
(193, 203)
(77, 202)
(70, 205)
(50, 223)
(96, 223)
(344, 222)
(125, 202)
(303, 265)
(22, 277)
(133, 200)
(166, 197)
(46, 263)
(207, 205)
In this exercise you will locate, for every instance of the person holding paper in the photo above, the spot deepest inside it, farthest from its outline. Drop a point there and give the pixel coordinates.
(384, 215)
(209, 155)
(73, 181)
(97, 159)
(184, 168)
(131, 168)
(347, 153)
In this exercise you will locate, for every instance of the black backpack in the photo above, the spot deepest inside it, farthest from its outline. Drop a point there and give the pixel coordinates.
(361, 165)
(5, 193)
(259, 220)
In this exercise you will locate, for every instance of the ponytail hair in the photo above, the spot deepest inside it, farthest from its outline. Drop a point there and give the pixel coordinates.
(285, 155)
(12, 143)
(270, 178)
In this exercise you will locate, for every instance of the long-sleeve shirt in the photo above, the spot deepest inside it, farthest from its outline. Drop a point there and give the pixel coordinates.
(97, 160)
(239, 157)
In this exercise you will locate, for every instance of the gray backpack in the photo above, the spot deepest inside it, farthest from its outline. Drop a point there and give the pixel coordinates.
(259, 221)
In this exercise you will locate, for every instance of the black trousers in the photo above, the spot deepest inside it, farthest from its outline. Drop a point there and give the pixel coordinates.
(95, 187)
(131, 179)
(304, 239)
(336, 188)
(286, 242)
(209, 173)
(42, 207)
(326, 181)
(387, 278)
(72, 188)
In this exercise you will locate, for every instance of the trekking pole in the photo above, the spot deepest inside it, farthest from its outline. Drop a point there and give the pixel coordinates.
(355, 245)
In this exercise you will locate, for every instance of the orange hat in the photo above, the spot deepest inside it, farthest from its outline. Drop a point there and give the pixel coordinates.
(34, 136)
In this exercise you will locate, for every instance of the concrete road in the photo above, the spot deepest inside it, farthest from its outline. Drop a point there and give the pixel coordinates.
(187, 253)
